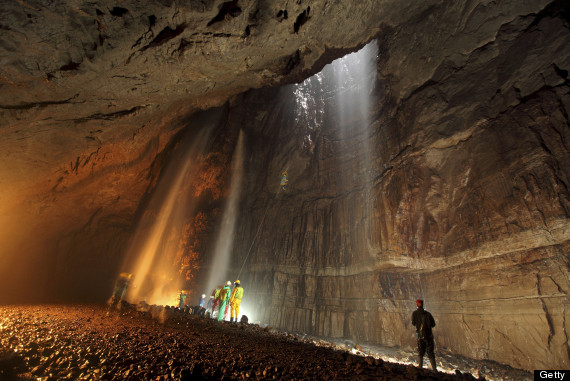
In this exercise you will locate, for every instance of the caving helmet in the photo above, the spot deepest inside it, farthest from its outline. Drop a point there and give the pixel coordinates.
(203, 296)
(237, 281)
(228, 283)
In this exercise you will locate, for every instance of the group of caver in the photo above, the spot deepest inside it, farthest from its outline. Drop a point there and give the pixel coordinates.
(224, 300)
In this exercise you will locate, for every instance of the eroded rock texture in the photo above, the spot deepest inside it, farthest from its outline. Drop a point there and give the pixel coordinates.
(454, 190)
(464, 204)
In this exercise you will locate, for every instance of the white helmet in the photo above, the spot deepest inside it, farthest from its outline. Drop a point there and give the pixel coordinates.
(203, 296)
(228, 283)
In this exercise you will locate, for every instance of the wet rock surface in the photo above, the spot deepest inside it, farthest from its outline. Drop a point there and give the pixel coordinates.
(456, 192)
(93, 343)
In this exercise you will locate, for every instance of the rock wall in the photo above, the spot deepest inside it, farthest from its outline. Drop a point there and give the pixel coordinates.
(465, 202)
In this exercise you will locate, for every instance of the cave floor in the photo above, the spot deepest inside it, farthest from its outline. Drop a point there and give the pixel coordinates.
(78, 342)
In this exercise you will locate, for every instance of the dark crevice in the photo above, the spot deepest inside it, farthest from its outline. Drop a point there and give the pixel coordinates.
(302, 18)
(558, 8)
(109, 116)
(26, 106)
(282, 14)
(88, 158)
(118, 11)
(99, 12)
(535, 94)
(229, 8)
(561, 72)
(135, 44)
(165, 35)
(292, 62)
(70, 66)
(58, 181)
(75, 167)
(151, 20)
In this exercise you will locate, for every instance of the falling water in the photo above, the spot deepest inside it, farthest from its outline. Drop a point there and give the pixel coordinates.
(354, 76)
(340, 96)
(334, 108)
(221, 259)
(151, 258)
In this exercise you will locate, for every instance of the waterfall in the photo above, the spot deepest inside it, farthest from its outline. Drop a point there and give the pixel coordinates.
(354, 78)
(340, 96)
(151, 257)
(224, 241)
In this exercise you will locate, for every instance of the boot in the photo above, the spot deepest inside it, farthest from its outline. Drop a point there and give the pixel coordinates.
(420, 361)
(231, 320)
(432, 362)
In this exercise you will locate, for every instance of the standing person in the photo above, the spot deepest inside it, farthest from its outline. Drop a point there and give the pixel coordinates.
(424, 322)
(235, 301)
(216, 295)
(120, 289)
(201, 310)
(209, 306)
(224, 299)
(182, 299)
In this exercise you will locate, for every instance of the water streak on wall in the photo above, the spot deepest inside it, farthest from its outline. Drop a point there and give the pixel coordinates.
(152, 256)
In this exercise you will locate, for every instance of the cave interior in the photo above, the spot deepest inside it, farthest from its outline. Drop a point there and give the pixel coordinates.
(340, 160)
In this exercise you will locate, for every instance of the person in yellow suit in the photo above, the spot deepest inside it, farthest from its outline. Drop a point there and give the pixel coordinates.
(235, 301)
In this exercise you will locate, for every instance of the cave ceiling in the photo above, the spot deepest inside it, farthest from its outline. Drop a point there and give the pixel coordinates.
(86, 85)
(83, 79)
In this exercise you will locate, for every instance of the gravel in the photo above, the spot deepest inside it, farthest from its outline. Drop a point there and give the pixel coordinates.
(63, 342)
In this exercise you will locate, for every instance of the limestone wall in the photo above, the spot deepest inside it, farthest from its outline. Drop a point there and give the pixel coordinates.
(465, 203)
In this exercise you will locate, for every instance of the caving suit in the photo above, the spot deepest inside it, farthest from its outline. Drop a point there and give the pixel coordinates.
(224, 298)
(216, 302)
(424, 322)
(182, 298)
(120, 289)
(235, 301)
